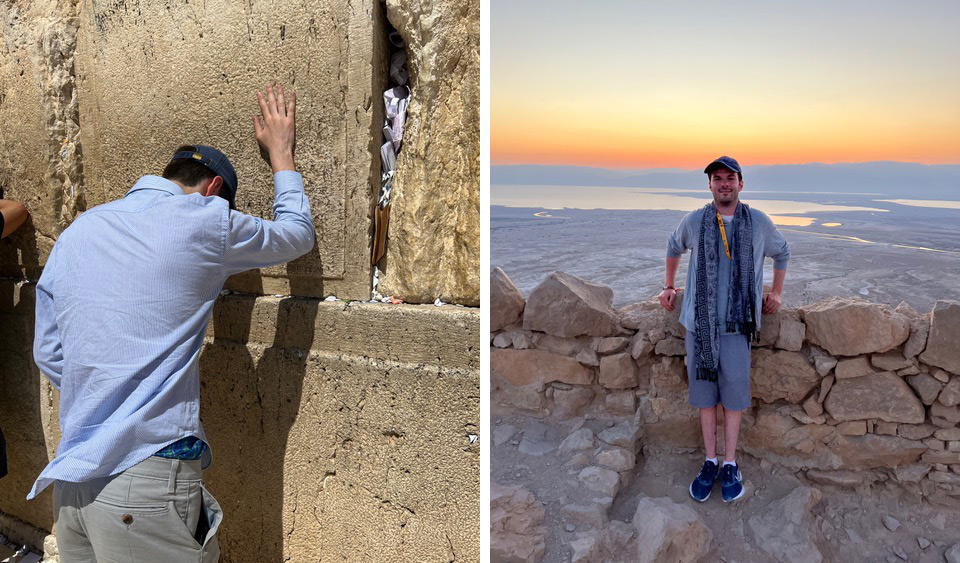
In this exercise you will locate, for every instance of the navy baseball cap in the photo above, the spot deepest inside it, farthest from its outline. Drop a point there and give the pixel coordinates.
(726, 162)
(218, 163)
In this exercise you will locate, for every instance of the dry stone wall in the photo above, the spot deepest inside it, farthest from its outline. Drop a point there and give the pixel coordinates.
(848, 392)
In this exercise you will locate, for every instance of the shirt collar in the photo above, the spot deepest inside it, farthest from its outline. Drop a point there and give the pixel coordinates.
(156, 183)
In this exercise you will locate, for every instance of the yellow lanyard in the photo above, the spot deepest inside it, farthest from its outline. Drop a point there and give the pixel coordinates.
(723, 233)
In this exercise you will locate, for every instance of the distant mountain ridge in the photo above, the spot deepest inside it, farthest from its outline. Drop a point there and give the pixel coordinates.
(894, 179)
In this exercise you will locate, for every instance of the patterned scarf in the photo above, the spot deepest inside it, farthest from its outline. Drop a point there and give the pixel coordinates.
(741, 302)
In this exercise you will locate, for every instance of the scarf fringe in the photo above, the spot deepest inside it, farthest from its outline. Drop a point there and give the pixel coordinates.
(707, 374)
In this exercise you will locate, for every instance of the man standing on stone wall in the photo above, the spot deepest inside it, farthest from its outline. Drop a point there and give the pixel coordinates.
(721, 311)
(122, 308)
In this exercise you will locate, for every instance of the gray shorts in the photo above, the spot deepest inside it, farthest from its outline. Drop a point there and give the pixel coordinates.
(732, 388)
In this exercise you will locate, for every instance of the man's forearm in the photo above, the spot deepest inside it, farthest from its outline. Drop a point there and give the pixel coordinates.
(672, 265)
(778, 276)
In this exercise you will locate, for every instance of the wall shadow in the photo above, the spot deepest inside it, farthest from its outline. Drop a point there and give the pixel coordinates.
(251, 388)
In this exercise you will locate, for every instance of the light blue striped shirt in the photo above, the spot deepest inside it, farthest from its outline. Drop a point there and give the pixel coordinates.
(122, 308)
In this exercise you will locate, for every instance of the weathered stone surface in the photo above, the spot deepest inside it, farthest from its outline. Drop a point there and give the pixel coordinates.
(849, 327)
(617, 459)
(950, 395)
(564, 346)
(792, 330)
(926, 387)
(942, 350)
(598, 479)
(948, 434)
(884, 396)
(952, 414)
(852, 428)
(944, 457)
(667, 531)
(506, 301)
(941, 375)
(564, 305)
(588, 357)
(503, 340)
(812, 407)
(886, 428)
(648, 317)
(916, 431)
(769, 329)
(640, 346)
(523, 367)
(911, 473)
(785, 529)
(777, 435)
(524, 397)
(836, 478)
(668, 378)
(952, 554)
(585, 515)
(671, 346)
(578, 440)
(618, 371)
(825, 386)
(585, 549)
(854, 367)
(824, 364)
(870, 451)
(613, 345)
(912, 370)
(516, 524)
(890, 361)
(782, 375)
(919, 331)
(568, 403)
(434, 239)
(621, 403)
(624, 435)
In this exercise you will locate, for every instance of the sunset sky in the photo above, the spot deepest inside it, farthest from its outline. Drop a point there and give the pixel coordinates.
(648, 84)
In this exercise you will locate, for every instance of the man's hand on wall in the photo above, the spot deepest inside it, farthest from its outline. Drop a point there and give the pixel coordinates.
(276, 130)
(667, 297)
(771, 303)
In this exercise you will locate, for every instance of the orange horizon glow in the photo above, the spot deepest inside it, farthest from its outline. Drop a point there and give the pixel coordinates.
(631, 85)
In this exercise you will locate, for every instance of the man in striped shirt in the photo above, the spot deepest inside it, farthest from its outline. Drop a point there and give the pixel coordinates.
(122, 308)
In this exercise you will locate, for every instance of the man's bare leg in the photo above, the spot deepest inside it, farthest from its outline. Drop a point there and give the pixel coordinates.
(708, 427)
(731, 432)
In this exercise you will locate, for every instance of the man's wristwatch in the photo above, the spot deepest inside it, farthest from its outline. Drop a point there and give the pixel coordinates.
(666, 287)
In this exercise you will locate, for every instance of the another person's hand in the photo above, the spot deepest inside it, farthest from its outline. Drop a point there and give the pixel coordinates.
(276, 130)
(667, 298)
(771, 303)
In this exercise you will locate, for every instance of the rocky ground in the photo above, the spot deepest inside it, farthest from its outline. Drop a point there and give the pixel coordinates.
(603, 503)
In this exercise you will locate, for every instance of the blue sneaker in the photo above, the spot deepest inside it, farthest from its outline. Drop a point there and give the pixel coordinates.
(703, 484)
(731, 483)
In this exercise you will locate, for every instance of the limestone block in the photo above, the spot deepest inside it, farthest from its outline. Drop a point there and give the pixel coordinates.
(621, 403)
(782, 375)
(792, 331)
(854, 367)
(523, 367)
(564, 305)
(624, 435)
(916, 431)
(433, 247)
(600, 480)
(588, 357)
(668, 531)
(613, 345)
(942, 350)
(852, 428)
(671, 346)
(668, 377)
(569, 403)
(884, 396)
(506, 301)
(39, 147)
(156, 75)
(618, 371)
(919, 331)
(952, 414)
(649, 316)
(563, 346)
(871, 451)
(769, 329)
(849, 327)
(926, 386)
(786, 530)
(578, 440)
(824, 364)
(516, 524)
(617, 459)
(890, 361)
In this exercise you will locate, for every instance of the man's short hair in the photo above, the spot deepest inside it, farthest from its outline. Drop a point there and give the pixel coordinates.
(187, 172)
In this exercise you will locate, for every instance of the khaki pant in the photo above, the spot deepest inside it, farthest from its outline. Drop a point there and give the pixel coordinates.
(158, 511)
